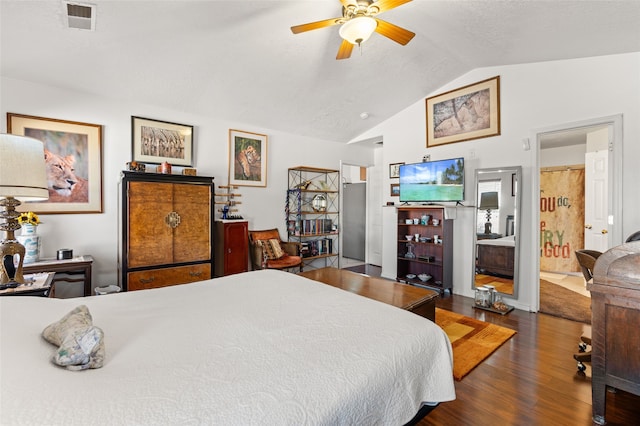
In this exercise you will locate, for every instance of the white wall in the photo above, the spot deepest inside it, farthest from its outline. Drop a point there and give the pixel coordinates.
(97, 234)
(563, 156)
(533, 96)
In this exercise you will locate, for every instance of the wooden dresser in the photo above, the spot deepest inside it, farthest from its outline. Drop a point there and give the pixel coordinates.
(615, 323)
(166, 230)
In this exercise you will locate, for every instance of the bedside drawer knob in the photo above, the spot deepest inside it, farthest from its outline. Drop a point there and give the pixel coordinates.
(173, 219)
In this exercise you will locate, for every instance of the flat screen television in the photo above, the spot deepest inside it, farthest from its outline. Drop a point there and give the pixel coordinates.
(432, 181)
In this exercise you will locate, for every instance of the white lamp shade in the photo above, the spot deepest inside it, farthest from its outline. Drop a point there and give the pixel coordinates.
(23, 173)
(358, 30)
(488, 201)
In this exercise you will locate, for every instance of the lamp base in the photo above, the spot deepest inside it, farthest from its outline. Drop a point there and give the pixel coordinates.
(10, 284)
(487, 228)
(10, 247)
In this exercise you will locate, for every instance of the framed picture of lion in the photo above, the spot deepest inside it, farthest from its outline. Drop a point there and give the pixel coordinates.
(247, 158)
(73, 156)
(156, 142)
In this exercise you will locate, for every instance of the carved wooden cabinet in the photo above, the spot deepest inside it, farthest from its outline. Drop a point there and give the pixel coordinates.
(166, 230)
(615, 324)
(231, 247)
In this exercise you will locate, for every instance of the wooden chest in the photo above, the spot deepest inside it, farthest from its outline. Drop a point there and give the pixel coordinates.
(615, 322)
(166, 230)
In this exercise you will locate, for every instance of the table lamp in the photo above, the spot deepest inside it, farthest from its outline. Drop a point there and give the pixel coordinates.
(488, 202)
(23, 177)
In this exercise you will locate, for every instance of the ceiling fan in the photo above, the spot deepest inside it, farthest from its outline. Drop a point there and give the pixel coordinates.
(359, 21)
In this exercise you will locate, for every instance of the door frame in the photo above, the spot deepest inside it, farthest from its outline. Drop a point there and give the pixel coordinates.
(614, 124)
(366, 207)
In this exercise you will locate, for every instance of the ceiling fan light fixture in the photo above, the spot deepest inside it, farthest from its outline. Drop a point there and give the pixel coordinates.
(358, 29)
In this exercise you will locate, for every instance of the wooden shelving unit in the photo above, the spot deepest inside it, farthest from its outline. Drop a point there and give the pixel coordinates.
(432, 257)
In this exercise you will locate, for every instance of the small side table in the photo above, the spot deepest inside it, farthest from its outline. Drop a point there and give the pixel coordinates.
(35, 285)
(77, 269)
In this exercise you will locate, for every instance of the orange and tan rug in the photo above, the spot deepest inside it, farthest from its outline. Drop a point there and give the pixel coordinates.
(472, 340)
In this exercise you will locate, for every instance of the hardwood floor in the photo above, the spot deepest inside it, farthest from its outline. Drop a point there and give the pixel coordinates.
(530, 380)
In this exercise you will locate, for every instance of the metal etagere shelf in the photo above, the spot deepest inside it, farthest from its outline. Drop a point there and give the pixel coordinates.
(312, 214)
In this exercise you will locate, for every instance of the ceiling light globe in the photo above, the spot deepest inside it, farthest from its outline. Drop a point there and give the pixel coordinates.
(358, 30)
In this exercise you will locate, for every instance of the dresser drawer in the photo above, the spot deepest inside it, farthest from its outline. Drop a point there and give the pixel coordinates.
(164, 277)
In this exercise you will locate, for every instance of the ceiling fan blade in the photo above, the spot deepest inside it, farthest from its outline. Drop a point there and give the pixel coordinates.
(315, 25)
(384, 5)
(394, 32)
(344, 52)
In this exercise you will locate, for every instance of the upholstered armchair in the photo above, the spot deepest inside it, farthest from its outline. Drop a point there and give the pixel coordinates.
(268, 251)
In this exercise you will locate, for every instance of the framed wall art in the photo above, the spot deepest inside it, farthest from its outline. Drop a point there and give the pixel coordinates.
(155, 142)
(73, 156)
(247, 158)
(470, 112)
(394, 170)
(395, 189)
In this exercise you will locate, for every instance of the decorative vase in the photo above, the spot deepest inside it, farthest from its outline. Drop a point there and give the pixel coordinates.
(31, 242)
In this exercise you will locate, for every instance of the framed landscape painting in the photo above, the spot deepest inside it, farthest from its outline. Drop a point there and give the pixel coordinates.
(73, 157)
(470, 112)
(247, 158)
(155, 142)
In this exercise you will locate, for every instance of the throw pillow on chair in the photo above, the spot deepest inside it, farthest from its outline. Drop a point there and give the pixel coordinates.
(271, 249)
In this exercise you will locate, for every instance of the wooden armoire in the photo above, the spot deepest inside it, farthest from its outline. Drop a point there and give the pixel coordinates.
(166, 229)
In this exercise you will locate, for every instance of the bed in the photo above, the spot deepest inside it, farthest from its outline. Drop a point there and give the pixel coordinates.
(262, 347)
(496, 257)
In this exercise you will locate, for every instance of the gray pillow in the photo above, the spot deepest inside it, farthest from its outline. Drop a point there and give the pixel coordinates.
(81, 344)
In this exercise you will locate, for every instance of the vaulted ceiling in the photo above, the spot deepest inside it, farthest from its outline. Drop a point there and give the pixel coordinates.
(239, 61)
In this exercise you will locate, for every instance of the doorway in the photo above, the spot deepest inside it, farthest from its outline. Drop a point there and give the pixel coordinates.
(354, 215)
(565, 144)
(354, 225)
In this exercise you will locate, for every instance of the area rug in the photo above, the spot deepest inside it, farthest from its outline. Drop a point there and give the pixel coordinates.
(472, 340)
(560, 302)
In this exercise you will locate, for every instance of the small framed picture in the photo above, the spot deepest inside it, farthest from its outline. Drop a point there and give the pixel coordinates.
(395, 189)
(156, 142)
(394, 170)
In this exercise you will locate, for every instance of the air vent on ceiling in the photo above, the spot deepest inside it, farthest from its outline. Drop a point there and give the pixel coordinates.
(79, 15)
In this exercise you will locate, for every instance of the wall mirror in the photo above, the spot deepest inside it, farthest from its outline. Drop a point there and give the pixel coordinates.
(497, 226)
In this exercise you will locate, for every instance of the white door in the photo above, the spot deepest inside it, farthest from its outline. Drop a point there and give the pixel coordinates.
(596, 209)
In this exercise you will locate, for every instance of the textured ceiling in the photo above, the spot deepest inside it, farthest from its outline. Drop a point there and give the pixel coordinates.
(238, 60)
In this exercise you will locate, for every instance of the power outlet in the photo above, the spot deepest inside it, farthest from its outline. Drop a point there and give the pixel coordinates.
(426, 158)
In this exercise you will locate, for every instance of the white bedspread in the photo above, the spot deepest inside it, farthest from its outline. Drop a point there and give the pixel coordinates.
(260, 348)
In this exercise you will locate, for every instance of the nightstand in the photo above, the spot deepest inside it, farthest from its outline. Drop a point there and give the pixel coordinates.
(35, 285)
(77, 269)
